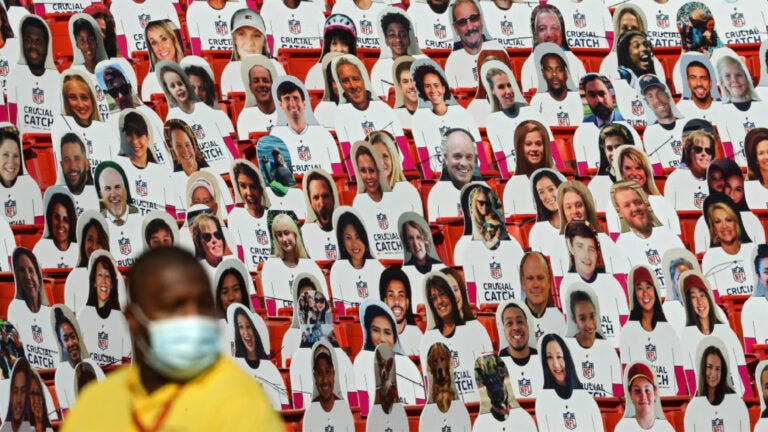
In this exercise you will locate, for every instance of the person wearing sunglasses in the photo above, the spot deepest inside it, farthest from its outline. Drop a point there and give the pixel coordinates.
(686, 186)
(210, 244)
(322, 309)
(461, 66)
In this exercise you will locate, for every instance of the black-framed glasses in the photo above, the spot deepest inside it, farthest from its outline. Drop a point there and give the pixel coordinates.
(472, 18)
(208, 236)
(697, 150)
(124, 89)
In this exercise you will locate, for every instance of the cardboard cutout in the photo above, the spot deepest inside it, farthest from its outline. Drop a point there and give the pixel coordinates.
(322, 198)
(232, 284)
(92, 233)
(252, 118)
(561, 105)
(30, 309)
(692, 334)
(155, 33)
(563, 401)
(534, 144)
(509, 27)
(663, 141)
(203, 84)
(31, 403)
(698, 78)
(73, 353)
(18, 187)
(300, 27)
(395, 290)
(250, 353)
(356, 272)
(328, 407)
(207, 33)
(131, 18)
(545, 236)
(419, 253)
(390, 160)
(302, 283)
(761, 379)
(753, 313)
(105, 327)
(686, 187)
(673, 263)
(696, 24)
(517, 337)
(387, 411)
(9, 53)
(643, 406)
(277, 276)
(443, 404)
(57, 248)
(119, 82)
(34, 98)
(499, 409)
(470, 37)
(537, 284)
(658, 345)
(248, 221)
(211, 194)
(159, 229)
(400, 35)
(91, 41)
(588, 24)
(434, 28)
(728, 410)
(379, 329)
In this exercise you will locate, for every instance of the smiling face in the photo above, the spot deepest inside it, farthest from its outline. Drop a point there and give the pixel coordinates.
(325, 376)
(28, 280)
(198, 86)
(293, 105)
(725, 227)
(113, 193)
(460, 159)
(536, 283)
(77, 96)
(86, 43)
(700, 302)
(369, 174)
(584, 251)
(417, 245)
(396, 38)
(658, 100)
(643, 395)
(185, 152)
(640, 53)
(260, 84)
(547, 192)
(386, 160)
(92, 241)
(573, 207)
(176, 87)
(408, 87)
(70, 342)
(10, 162)
(556, 362)
(586, 320)
(762, 156)
(381, 331)
(248, 41)
(645, 296)
(599, 98)
(633, 210)
(441, 303)
(60, 224)
(396, 298)
(251, 193)
(515, 329)
(19, 391)
(161, 44)
(231, 291)
(548, 28)
(103, 283)
(699, 82)
(456, 291)
(631, 170)
(74, 165)
(35, 44)
(286, 237)
(245, 331)
(701, 156)
(36, 400)
(533, 147)
(434, 89)
(354, 246)
(468, 24)
(734, 79)
(201, 195)
(213, 243)
(714, 368)
(138, 145)
(734, 188)
(353, 85)
(503, 91)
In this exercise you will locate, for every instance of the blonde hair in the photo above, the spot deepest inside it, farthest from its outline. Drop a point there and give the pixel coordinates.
(384, 137)
(74, 76)
(283, 218)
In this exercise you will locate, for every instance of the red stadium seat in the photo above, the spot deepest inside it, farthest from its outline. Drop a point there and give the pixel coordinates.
(62, 46)
(57, 278)
(298, 61)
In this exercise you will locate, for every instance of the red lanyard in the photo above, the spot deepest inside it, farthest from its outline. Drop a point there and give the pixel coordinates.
(160, 418)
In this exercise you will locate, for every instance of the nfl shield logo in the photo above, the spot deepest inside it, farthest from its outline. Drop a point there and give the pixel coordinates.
(4, 67)
(88, 146)
(366, 27)
(294, 26)
(563, 119)
(738, 274)
(446, 428)
(444, 129)
(677, 147)
(99, 93)
(221, 28)
(382, 219)
(38, 96)
(698, 199)
(653, 256)
(440, 32)
(198, 130)
(737, 18)
(524, 386)
(125, 245)
(495, 270)
(362, 289)
(474, 72)
(506, 27)
(650, 352)
(261, 236)
(439, 156)
(103, 340)
(329, 428)
(367, 127)
(37, 333)
(662, 20)
(637, 108)
(141, 187)
(454, 359)
(539, 332)
(10, 208)
(749, 125)
(718, 425)
(304, 153)
(569, 419)
(144, 19)
(330, 251)
(579, 20)
(588, 369)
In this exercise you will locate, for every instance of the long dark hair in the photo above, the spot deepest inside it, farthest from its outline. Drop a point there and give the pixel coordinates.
(371, 312)
(349, 218)
(396, 274)
(722, 388)
(93, 300)
(240, 350)
(636, 314)
(691, 318)
(442, 285)
(103, 239)
(572, 380)
(622, 52)
(69, 206)
(466, 310)
(243, 292)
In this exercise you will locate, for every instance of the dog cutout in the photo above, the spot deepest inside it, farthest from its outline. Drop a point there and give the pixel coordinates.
(442, 390)
(491, 372)
(386, 387)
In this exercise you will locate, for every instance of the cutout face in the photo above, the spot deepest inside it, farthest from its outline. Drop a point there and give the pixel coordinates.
(386, 377)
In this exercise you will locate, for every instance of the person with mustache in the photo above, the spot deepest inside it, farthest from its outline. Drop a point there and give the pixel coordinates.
(322, 199)
(76, 168)
(599, 94)
(395, 291)
(461, 67)
(700, 95)
(518, 350)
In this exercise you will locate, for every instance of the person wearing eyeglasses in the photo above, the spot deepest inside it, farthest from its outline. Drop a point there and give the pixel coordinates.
(470, 38)
(210, 244)
(686, 186)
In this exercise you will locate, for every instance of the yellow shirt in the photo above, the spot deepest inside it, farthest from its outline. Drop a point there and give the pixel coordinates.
(223, 398)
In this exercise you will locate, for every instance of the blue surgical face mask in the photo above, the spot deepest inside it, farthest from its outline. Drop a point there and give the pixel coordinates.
(179, 348)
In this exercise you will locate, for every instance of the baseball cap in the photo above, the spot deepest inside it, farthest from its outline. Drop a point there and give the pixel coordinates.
(639, 370)
(248, 18)
(649, 80)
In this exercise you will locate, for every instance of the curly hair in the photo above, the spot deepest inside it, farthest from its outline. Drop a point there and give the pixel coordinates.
(418, 78)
